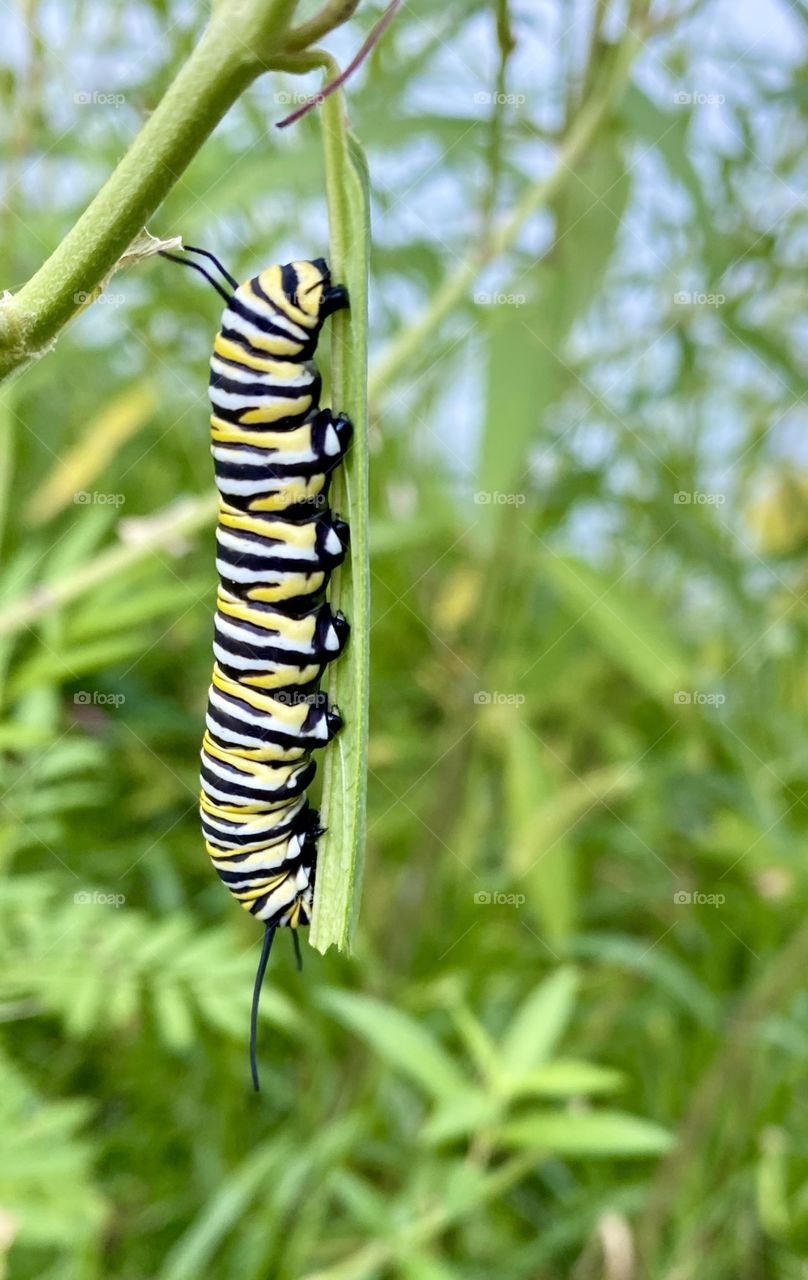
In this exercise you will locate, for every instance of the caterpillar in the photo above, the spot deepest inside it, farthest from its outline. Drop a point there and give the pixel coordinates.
(277, 542)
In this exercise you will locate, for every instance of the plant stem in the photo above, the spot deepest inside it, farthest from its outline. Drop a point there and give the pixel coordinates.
(333, 14)
(339, 862)
(221, 66)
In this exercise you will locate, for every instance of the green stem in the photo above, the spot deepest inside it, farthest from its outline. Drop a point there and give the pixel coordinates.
(333, 14)
(339, 862)
(405, 350)
(221, 66)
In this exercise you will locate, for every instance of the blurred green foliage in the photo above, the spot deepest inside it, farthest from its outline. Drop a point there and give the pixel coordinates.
(571, 1040)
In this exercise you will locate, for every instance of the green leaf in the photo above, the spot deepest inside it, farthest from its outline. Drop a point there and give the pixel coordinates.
(537, 852)
(587, 1133)
(665, 971)
(46, 1189)
(399, 1039)
(173, 1015)
(341, 849)
(194, 1251)
(564, 1078)
(539, 1023)
(72, 664)
(466, 1112)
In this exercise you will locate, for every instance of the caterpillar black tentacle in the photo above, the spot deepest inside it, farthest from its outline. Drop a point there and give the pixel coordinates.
(196, 266)
(266, 947)
(277, 542)
(206, 253)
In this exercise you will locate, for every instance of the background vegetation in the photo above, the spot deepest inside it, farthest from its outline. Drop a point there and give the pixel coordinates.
(569, 1041)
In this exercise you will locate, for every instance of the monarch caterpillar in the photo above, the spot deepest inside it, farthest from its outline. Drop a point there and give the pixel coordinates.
(274, 451)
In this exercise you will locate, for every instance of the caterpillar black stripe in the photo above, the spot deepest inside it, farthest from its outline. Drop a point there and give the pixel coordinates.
(274, 451)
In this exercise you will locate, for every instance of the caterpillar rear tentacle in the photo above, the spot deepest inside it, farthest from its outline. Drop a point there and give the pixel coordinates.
(266, 947)
(277, 542)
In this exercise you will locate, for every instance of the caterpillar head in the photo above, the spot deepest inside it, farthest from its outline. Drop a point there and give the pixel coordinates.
(304, 290)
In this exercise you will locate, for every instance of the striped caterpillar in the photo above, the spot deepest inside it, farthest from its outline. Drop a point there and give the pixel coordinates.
(274, 450)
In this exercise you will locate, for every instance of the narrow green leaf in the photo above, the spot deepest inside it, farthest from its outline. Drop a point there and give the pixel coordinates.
(528, 366)
(564, 1078)
(339, 863)
(540, 1022)
(669, 975)
(400, 1040)
(589, 1133)
(193, 1252)
(631, 631)
(77, 662)
(537, 851)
